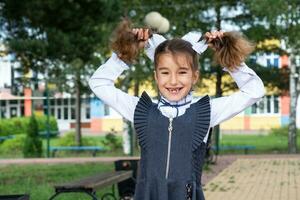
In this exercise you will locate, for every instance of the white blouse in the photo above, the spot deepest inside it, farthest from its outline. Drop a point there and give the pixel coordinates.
(251, 90)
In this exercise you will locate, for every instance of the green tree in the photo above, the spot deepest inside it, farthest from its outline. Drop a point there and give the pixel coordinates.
(62, 39)
(32, 144)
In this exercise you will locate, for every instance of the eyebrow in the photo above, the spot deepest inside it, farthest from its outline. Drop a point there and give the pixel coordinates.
(162, 68)
(186, 68)
(165, 68)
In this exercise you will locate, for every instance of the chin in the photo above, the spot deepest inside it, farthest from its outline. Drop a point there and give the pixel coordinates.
(171, 97)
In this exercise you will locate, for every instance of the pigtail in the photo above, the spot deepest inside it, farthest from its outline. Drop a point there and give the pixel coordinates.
(124, 43)
(232, 49)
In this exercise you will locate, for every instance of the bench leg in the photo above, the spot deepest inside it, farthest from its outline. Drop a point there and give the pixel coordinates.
(92, 194)
(110, 196)
(55, 195)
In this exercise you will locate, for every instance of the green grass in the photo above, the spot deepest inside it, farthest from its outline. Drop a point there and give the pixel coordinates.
(263, 143)
(38, 180)
(96, 140)
(269, 144)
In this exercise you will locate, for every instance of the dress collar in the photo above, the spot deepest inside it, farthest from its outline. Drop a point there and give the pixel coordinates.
(164, 103)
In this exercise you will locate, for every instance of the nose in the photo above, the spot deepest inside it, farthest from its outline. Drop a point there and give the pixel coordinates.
(173, 79)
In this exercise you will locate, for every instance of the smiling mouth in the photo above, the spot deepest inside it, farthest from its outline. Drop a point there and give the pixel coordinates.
(174, 90)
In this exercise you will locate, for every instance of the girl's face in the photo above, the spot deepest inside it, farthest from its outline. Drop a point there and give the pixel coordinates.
(174, 76)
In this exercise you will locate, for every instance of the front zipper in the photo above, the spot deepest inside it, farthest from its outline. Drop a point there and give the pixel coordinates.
(170, 129)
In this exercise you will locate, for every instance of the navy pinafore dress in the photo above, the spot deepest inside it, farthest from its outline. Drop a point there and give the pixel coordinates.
(172, 151)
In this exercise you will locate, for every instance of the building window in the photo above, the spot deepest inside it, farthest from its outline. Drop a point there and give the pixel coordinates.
(66, 102)
(267, 105)
(58, 113)
(276, 105)
(52, 112)
(52, 102)
(88, 113)
(66, 113)
(13, 112)
(73, 114)
(58, 102)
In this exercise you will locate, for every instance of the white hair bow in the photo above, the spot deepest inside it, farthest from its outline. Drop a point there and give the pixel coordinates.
(194, 38)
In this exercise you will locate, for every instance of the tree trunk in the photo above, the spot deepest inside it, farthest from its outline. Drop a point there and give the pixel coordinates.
(292, 143)
(219, 81)
(78, 110)
(136, 93)
(128, 132)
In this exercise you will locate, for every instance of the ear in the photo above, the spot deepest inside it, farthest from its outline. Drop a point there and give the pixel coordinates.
(155, 76)
(195, 77)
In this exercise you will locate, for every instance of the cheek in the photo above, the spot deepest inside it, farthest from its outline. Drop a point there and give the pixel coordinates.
(158, 81)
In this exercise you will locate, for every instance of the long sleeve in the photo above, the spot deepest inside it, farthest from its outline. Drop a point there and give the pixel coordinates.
(251, 90)
(102, 84)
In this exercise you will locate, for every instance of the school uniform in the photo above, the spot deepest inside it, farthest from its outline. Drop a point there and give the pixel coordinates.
(172, 135)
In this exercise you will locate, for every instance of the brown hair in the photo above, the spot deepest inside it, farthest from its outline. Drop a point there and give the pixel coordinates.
(175, 47)
(124, 43)
(232, 49)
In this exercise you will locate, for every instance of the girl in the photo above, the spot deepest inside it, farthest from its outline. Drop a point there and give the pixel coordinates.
(173, 133)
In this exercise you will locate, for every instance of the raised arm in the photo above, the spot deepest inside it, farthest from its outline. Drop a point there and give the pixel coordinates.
(126, 44)
(251, 90)
(231, 49)
(102, 84)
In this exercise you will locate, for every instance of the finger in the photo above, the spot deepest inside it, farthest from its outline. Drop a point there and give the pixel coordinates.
(140, 34)
(220, 34)
(146, 34)
(134, 31)
(214, 34)
(208, 36)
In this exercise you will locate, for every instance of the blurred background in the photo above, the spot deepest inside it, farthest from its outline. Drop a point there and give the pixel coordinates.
(49, 49)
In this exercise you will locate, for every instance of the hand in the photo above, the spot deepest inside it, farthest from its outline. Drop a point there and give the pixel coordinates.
(210, 36)
(142, 36)
(214, 39)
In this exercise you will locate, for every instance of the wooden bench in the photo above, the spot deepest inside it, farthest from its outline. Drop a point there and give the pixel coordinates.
(3, 138)
(246, 148)
(90, 184)
(94, 149)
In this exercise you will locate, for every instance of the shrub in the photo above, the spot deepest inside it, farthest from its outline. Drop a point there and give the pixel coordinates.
(282, 131)
(17, 125)
(13, 146)
(69, 140)
(32, 144)
(112, 141)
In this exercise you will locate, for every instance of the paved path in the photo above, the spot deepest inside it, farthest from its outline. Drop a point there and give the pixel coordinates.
(245, 177)
(257, 179)
(22, 161)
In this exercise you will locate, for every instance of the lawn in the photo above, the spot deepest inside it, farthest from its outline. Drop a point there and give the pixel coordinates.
(15, 150)
(267, 144)
(270, 144)
(38, 180)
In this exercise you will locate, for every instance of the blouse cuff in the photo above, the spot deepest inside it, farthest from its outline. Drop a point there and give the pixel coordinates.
(114, 58)
(242, 74)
